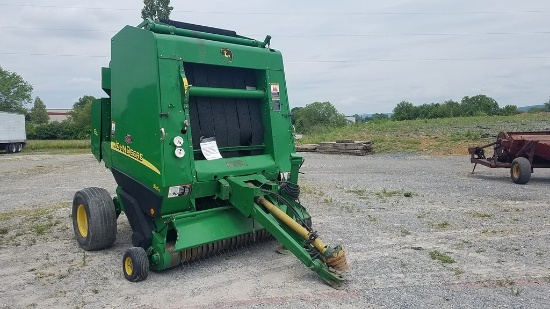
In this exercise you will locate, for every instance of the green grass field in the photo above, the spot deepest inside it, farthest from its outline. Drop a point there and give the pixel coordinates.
(448, 136)
(57, 146)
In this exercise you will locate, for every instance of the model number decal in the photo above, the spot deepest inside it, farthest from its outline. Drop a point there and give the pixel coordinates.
(134, 155)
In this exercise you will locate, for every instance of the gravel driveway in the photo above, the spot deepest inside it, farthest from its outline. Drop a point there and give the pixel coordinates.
(420, 232)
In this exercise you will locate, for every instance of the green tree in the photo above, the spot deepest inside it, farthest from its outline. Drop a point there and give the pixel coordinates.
(39, 114)
(404, 111)
(547, 106)
(294, 114)
(479, 105)
(15, 92)
(360, 118)
(379, 116)
(81, 116)
(509, 110)
(318, 116)
(156, 9)
(450, 108)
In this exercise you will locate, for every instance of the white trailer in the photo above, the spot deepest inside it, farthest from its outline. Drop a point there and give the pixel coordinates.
(13, 136)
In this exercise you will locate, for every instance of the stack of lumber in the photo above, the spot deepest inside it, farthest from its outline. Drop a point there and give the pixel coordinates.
(307, 147)
(359, 148)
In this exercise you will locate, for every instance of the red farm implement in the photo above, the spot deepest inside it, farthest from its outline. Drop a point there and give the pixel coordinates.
(519, 151)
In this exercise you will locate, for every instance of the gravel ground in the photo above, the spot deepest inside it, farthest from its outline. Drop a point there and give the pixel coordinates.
(393, 213)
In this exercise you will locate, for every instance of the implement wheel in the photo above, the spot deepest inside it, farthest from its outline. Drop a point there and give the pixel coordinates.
(520, 171)
(135, 264)
(94, 219)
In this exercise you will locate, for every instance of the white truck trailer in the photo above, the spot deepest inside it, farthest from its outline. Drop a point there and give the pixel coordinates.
(13, 136)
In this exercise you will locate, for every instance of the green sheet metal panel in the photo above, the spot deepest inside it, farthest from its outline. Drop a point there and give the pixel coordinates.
(95, 133)
(220, 168)
(211, 225)
(135, 127)
(197, 50)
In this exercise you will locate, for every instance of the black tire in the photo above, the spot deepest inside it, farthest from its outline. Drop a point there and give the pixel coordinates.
(520, 171)
(94, 219)
(13, 148)
(135, 264)
(19, 147)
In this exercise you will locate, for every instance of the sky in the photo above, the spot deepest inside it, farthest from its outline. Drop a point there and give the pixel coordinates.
(362, 56)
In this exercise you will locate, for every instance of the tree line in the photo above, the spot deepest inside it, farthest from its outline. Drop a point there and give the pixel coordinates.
(16, 94)
(478, 105)
(76, 126)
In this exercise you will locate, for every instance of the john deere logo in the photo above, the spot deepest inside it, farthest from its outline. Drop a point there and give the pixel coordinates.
(227, 53)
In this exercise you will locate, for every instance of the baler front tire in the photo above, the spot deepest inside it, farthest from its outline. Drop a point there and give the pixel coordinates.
(520, 171)
(135, 264)
(94, 219)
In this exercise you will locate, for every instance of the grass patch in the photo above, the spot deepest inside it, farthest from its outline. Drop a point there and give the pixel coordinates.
(328, 200)
(359, 192)
(382, 194)
(441, 225)
(57, 146)
(446, 136)
(305, 189)
(516, 291)
(42, 228)
(505, 283)
(33, 213)
(386, 193)
(458, 271)
(476, 214)
(441, 257)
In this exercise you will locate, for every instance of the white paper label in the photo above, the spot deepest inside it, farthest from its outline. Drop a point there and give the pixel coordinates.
(210, 149)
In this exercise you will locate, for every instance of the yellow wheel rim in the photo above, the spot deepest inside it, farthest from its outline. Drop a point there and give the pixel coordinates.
(82, 220)
(128, 266)
(515, 170)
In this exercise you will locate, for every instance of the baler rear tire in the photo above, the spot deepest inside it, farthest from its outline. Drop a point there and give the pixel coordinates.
(135, 264)
(520, 171)
(94, 219)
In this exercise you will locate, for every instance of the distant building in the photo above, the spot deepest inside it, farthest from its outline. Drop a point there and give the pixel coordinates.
(58, 114)
(350, 119)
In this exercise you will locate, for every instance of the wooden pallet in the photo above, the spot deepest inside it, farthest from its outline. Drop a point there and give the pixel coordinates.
(358, 148)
